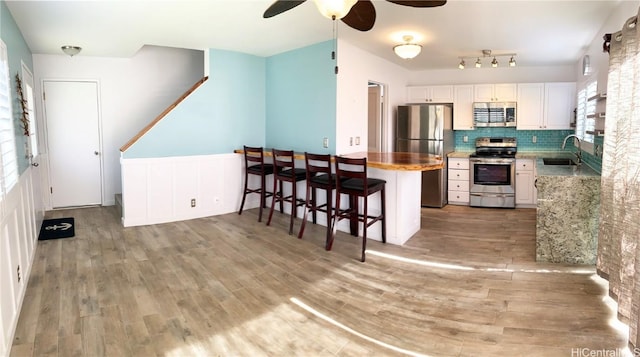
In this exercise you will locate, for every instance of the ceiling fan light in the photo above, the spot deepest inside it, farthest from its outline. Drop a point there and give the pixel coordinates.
(334, 9)
(71, 50)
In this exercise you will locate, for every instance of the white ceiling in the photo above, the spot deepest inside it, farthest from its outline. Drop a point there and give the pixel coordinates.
(541, 32)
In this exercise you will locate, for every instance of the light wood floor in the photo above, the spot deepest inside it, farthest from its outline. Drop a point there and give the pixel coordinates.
(466, 285)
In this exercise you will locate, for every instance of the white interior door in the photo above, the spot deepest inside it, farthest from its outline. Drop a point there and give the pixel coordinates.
(34, 147)
(73, 136)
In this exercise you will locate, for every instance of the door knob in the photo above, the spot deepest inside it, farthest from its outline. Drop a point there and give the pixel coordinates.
(35, 164)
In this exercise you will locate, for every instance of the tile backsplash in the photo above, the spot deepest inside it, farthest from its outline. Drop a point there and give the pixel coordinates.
(546, 140)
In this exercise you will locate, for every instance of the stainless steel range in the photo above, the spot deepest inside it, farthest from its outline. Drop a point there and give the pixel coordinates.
(492, 173)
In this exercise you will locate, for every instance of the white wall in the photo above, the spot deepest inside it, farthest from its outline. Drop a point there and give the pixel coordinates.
(494, 75)
(600, 59)
(133, 91)
(357, 68)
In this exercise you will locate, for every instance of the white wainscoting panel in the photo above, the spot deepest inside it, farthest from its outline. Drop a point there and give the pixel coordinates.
(160, 190)
(18, 237)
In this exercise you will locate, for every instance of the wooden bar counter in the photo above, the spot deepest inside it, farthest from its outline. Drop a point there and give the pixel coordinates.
(403, 173)
(400, 161)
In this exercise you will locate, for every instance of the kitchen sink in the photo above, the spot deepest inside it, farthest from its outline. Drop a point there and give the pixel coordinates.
(557, 161)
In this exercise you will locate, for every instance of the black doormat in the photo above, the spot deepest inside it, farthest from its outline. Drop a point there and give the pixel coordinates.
(57, 228)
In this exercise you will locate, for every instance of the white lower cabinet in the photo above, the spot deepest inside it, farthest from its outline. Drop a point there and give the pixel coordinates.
(526, 193)
(458, 181)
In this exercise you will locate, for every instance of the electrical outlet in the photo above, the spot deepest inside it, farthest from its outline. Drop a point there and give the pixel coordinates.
(534, 139)
(465, 139)
(351, 141)
(325, 143)
(193, 202)
(357, 140)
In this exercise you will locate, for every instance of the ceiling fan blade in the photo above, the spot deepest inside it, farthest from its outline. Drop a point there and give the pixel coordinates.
(280, 6)
(419, 3)
(362, 16)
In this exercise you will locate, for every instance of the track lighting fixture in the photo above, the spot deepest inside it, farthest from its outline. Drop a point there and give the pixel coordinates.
(487, 53)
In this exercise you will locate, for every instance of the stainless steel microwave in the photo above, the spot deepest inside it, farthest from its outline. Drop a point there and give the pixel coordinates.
(494, 114)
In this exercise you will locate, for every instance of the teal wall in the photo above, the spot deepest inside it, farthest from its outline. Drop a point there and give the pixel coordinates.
(18, 52)
(223, 114)
(286, 101)
(301, 99)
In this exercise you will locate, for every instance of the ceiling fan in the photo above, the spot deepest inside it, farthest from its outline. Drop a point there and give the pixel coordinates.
(358, 14)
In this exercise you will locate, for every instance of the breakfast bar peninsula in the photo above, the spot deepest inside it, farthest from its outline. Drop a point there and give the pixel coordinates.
(403, 173)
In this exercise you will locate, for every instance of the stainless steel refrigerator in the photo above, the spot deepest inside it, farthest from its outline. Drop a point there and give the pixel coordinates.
(427, 128)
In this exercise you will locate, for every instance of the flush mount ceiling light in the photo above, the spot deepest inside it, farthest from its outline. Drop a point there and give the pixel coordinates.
(71, 50)
(334, 9)
(407, 50)
(487, 53)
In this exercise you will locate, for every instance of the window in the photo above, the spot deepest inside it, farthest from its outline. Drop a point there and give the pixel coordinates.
(586, 112)
(8, 160)
(27, 90)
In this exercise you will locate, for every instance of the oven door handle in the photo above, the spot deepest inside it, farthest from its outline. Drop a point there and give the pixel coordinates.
(493, 161)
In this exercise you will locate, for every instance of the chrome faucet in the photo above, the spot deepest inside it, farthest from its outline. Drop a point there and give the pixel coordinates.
(579, 153)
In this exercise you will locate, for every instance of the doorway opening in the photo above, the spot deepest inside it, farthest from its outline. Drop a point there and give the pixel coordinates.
(375, 123)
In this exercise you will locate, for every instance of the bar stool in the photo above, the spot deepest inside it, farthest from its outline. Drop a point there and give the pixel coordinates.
(285, 171)
(352, 180)
(259, 168)
(319, 176)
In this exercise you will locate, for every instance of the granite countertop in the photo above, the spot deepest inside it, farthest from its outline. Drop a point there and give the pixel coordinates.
(460, 154)
(558, 170)
(542, 169)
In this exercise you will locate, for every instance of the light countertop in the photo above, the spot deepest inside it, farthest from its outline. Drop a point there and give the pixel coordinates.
(397, 161)
(542, 169)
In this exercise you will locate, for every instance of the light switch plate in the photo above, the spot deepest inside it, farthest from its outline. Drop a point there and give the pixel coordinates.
(325, 143)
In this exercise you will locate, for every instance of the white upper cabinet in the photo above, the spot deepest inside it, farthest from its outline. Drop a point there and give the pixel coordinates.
(505, 92)
(545, 106)
(463, 107)
(559, 103)
(530, 106)
(430, 94)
